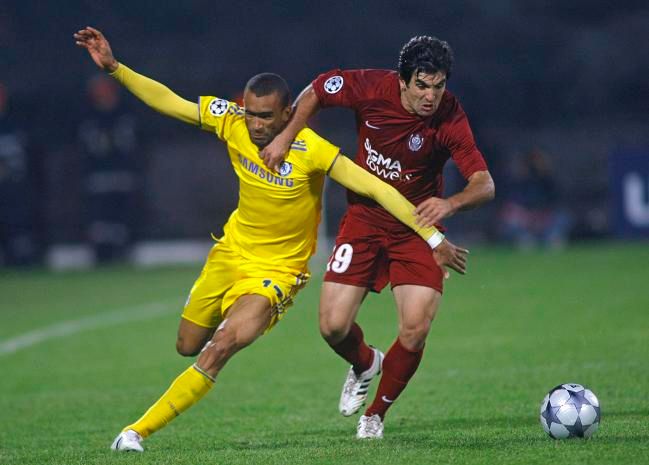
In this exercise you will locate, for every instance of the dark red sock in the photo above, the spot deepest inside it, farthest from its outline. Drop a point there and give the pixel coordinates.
(354, 350)
(399, 365)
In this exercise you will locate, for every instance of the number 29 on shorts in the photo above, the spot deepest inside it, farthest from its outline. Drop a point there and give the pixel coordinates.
(340, 258)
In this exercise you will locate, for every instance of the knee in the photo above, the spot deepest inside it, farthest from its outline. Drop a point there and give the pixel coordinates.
(333, 331)
(187, 348)
(414, 337)
(216, 353)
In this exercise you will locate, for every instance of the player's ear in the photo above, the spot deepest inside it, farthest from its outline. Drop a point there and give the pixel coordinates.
(286, 113)
(402, 85)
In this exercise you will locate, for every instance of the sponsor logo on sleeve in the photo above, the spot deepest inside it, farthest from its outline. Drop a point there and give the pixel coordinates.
(218, 107)
(333, 84)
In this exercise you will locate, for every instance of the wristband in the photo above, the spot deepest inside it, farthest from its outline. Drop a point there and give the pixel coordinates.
(435, 240)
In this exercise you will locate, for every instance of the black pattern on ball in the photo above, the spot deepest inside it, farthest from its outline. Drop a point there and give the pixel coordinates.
(570, 411)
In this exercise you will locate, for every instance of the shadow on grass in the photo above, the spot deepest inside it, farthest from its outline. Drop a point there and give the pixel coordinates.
(450, 433)
(625, 413)
(464, 424)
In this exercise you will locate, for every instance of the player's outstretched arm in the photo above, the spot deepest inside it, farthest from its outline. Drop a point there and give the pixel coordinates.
(350, 175)
(154, 94)
(306, 105)
(157, 96)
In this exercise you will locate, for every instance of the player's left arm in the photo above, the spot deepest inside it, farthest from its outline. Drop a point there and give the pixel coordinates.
(457, 136)
(479, 189)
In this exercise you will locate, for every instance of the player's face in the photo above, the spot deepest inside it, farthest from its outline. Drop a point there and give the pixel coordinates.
(423, 93)
(265, 117)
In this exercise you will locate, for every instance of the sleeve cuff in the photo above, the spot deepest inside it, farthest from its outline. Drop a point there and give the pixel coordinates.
(118, 69)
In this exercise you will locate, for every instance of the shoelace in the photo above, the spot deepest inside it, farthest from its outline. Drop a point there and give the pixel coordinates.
(349, 384)
(372, 424)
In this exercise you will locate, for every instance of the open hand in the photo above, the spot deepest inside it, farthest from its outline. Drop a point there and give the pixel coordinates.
(448, 255)
(98, 47)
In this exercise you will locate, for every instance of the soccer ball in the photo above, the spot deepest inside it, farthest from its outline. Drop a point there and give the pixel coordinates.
(570, 411)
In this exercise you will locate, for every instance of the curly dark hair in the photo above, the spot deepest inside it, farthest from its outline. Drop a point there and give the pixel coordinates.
(425, 54)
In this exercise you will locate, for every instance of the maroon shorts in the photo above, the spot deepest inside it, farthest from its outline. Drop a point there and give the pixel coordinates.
(370, 256)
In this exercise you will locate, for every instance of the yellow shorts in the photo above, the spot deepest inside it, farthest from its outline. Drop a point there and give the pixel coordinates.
(227, 276)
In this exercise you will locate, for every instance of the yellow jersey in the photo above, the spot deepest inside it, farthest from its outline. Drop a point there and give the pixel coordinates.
(276, 220)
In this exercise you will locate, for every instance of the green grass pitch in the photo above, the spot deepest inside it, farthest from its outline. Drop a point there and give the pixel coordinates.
(83, 354)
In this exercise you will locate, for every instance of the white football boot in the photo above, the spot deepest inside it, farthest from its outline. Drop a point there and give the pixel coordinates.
(370, 427)
(354, 392)
(127, 441)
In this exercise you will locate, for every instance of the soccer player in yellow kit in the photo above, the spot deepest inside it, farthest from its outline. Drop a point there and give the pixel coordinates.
(254, 270)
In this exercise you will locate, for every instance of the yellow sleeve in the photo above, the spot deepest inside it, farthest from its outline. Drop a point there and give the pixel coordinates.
(156, 95)
(218, 115)
(325, 155)
(352, 176)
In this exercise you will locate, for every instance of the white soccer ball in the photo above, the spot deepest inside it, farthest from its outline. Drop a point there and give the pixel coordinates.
(570, 411)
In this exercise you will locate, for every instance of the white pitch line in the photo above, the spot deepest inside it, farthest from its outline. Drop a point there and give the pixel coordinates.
(67, 328)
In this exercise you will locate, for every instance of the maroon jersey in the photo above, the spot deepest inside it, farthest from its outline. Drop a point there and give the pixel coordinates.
(403, 149)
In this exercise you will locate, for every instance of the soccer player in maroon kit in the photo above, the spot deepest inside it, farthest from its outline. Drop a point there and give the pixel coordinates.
(408, 126)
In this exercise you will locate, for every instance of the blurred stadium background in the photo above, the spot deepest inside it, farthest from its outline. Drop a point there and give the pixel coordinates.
(567, 79)
(82, 352)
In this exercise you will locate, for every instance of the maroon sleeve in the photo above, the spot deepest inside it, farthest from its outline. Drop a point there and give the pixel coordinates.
(458, 137)
(338, 88)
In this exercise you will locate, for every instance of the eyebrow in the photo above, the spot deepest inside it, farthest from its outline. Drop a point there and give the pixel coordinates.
(423, 83)
(261, 114)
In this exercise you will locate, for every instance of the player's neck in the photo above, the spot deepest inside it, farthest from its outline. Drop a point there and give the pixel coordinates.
(406, 105)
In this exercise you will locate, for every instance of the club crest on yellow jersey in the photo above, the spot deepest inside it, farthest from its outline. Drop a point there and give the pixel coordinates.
(285, 168)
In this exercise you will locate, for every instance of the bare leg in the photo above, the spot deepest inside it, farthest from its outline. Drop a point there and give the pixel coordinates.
(247, 319)
(416, 307)
(192, 337)
(339, 305)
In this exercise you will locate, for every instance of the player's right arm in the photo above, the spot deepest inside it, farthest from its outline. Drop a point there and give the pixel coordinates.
(339, 88)
(306, 105)
(156, 95)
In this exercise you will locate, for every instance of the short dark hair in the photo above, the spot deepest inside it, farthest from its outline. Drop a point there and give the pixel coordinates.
(425, 54)
(269, 83)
